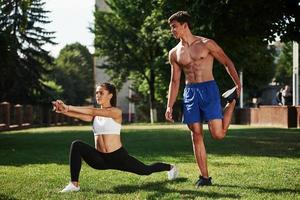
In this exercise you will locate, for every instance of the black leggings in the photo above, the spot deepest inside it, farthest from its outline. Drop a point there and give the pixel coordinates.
(119, 160)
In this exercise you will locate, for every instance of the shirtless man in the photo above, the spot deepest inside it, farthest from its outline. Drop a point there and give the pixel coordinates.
(194, 55)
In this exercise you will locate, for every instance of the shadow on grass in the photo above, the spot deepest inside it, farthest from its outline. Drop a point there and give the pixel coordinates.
(160, 191)
(262, 190)
(5, 197)
(149, 145)
(270, 142)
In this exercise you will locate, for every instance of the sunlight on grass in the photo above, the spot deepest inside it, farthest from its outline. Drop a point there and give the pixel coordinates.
(250, 163)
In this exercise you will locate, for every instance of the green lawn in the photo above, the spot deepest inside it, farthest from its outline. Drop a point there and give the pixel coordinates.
(250, 163)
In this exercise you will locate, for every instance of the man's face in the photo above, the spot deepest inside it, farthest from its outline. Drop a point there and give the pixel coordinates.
(177, 29)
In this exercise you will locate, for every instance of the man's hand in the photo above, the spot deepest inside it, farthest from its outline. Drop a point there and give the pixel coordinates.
(168, 114)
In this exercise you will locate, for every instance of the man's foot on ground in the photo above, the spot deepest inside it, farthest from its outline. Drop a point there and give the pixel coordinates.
(173, 173)
(230, 95)
(203, 182)
(71, 188)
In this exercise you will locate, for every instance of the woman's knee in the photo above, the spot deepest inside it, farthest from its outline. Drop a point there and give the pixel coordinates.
(76, 143)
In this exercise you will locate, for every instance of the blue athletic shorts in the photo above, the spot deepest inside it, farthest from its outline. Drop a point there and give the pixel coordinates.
(201, 102)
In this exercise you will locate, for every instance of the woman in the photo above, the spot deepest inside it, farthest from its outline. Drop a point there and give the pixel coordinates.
(108, 152)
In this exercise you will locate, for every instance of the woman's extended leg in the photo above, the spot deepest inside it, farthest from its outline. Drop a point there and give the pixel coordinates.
(133, 165)
(122, 161)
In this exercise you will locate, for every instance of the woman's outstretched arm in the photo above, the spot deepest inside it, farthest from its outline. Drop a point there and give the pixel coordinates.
(83, 117)
(59, 109)
(108, 112)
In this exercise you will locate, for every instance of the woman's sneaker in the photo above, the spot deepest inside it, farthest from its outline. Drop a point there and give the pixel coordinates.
(203, 182)
(173, 173)
(71, 188)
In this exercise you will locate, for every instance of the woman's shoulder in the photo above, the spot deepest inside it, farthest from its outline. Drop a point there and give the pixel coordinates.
(117, 114)
(115, 110)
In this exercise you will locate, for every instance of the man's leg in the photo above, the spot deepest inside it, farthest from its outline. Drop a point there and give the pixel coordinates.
(200, 154)
(199, 147)
(218, 127)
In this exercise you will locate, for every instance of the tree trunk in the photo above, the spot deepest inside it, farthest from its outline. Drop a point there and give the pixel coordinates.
(153, 114)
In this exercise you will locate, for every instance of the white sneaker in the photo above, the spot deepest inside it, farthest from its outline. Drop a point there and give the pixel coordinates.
(71, 188)
(173, 173)
(230, 95)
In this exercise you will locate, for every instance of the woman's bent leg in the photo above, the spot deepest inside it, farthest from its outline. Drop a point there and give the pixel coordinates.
(80, 150)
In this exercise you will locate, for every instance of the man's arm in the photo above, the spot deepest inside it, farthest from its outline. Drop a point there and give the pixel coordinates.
(173, 86)
(220, 55)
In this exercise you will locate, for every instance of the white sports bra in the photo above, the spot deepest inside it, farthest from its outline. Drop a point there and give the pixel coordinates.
(105, 125)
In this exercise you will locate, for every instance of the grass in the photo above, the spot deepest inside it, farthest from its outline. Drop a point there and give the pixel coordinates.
(250, 163)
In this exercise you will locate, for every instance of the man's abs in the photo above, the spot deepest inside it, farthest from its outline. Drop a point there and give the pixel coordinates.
(198, 72)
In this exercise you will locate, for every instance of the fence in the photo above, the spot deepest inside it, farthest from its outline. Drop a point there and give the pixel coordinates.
(26, 116)
(276, 116)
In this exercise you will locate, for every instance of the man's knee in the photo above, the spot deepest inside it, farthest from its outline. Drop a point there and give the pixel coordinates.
(218, 135)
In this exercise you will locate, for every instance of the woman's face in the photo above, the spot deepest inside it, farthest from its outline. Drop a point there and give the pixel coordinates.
(102, 96)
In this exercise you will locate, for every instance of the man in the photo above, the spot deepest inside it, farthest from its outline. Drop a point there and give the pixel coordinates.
(194, 55)
(286, 95)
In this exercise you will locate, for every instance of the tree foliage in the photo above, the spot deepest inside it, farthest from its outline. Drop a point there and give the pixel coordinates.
(284, 65)
(22, 57)
(73, 72)
(134, 38)
(244, 30)
(131, 37)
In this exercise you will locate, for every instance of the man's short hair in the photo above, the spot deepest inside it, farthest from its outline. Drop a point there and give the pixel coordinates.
(181, 17)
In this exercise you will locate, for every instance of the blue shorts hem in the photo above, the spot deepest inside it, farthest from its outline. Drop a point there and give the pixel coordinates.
(191, 121)
(212, 118)
(201, 121)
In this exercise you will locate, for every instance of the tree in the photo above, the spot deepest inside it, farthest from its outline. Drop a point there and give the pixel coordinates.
(132, 31)
(284, 65)
(73, 71)
(128, 37)
(22, 55)
(244, 29)
(260, 19)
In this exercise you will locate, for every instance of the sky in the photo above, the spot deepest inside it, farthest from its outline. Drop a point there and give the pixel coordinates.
(70, 20)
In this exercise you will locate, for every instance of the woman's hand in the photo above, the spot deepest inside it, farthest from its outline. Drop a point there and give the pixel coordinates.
(54, 108)
(59, 106)
(62, 106)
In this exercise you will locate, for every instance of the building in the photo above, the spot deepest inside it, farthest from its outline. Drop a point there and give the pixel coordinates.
(100, 76)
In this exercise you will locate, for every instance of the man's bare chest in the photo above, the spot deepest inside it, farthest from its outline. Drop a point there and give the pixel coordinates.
(194, 53)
